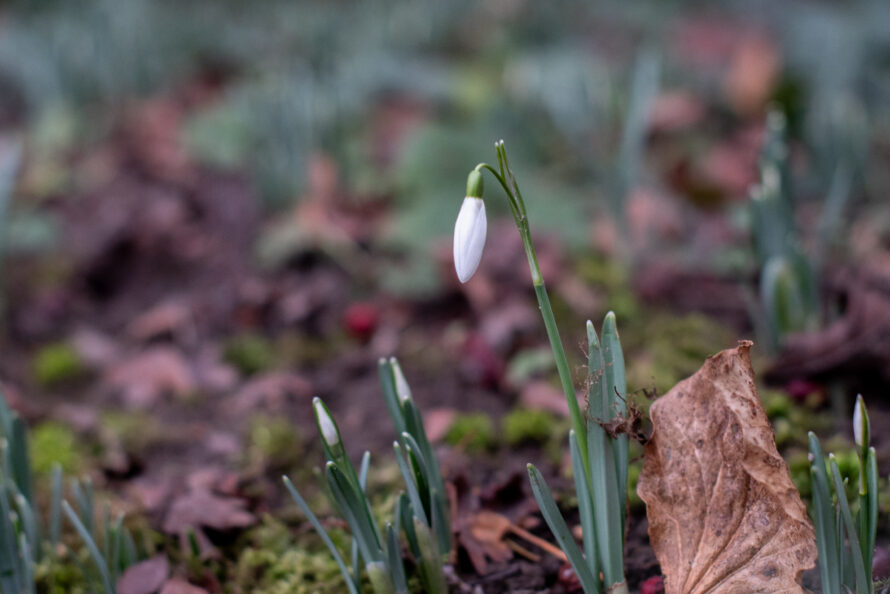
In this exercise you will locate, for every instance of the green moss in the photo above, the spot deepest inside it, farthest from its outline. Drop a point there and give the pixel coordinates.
(273, 441)
(56, 363)
(633, 476)
(136, 431)
(249, 353)
(53, 443)
(62, 575)
(611, 278)
(669, 349)
(524, 425)
(297, 571)
(474, 432)
(776, 404)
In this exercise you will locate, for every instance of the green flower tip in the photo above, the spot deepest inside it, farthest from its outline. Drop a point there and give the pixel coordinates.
(475, 185)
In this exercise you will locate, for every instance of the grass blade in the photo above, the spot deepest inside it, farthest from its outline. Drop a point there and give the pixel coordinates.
(585, 508)
(825, 520)
(91, 547)
(410, 484)
(390, 397)
(616, 388)
(301, 503)
(10, 575)
(560, 530)
(862, 584)
(354, 506)
(394, 560)
(55, 507)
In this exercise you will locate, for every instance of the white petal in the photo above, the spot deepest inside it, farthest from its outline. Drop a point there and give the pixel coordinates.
(328, 429)
(857, 423)
(469, 237)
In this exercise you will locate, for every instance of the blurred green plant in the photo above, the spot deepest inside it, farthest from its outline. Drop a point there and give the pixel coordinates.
(473, 432)
(422, 513)
(24, 541)
(846, 545)
(249, 353)
(788, 289)
(57, 363)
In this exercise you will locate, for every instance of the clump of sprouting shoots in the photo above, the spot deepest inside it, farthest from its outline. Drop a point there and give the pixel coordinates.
(421, 513)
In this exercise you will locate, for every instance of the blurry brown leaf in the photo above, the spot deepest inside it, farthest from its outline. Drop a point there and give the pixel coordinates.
(145, 377)
(541, 395)
(180, 586)
(169, 317)
(483, 536)
(145, 577)
(723, 513)
(752, 73)
(676, 110)
(437, 422)
(202, 508)
(856, 342)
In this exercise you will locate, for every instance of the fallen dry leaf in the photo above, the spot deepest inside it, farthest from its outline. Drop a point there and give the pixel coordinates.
(145, 577)
(145, 377)
(202, 508)
(180, 586)
(724, 515)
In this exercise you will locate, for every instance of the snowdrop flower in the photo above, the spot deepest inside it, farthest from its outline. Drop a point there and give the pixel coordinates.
(328, 429)
(402, 388)
(860, 423)
(470, 229)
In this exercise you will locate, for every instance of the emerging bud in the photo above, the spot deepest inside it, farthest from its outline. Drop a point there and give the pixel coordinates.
(402, 388)
(469, 235)
(860, 423)
(326, 424)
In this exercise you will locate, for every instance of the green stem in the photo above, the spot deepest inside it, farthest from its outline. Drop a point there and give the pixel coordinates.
(517, 207)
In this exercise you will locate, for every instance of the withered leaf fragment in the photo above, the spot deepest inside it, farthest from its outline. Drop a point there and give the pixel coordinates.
(724, 515)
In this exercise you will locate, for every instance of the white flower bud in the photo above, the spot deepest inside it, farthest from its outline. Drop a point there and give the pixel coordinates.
(402, 388)
(860, 422)
(469, 237)
(328, 429)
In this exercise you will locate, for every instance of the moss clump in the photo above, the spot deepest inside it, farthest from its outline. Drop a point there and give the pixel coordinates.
(249, 353)
(135, 431)
(474, 432)
(776, 404)
(272, 442)
(297, 571)
(672, 348)
(524, 425)
(57, 363)
(54, 443)
(272, 563)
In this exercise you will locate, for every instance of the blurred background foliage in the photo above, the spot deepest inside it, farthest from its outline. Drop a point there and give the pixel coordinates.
(406, 96)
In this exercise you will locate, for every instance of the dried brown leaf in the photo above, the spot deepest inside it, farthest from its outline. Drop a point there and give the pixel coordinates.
(724, 515)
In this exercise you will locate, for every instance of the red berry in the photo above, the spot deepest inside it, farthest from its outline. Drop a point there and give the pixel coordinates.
(361, 320)
(653, 585)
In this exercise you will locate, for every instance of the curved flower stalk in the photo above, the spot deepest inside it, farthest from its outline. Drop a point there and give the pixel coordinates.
(846, 543)
(421, 513)
(599, 460)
